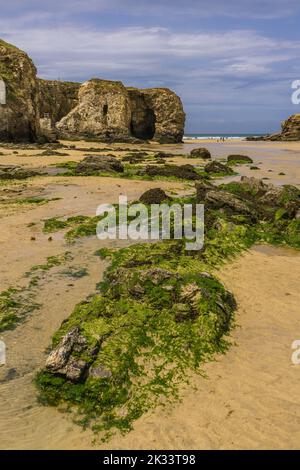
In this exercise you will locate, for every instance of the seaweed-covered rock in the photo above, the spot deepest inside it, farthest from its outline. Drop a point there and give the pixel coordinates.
(160, 155)
(202, 187)
(93, 164)
(179, 171)
(238, 159)
(154, 196)
(217, 167)
(223, 199)
(281, 196)
(254, 185)
(8, 172)
(200, 153)
(61, 361)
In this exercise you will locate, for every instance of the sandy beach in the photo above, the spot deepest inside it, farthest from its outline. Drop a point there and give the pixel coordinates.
(248, 398)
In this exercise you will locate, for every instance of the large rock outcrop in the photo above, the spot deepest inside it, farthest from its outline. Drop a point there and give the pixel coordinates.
(103, 112)
(106, 110)
(290, 130)
(19, 117)
(56, 98)
(98, 109)
(157, 113)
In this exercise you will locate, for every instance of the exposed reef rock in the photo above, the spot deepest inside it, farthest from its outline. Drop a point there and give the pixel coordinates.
(103, 110)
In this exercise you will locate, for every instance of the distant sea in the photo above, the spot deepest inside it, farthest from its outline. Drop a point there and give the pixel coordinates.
(219, 136)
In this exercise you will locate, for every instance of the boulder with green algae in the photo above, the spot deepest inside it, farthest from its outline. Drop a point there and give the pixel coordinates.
(200, 153)
(92, 165)
(217, 167)
(187, 172)
(239, 159)
(154, 196)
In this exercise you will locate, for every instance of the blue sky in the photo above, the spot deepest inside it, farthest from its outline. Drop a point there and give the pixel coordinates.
(232, 62)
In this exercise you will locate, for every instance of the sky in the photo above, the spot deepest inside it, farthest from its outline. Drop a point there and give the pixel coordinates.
(232, 62)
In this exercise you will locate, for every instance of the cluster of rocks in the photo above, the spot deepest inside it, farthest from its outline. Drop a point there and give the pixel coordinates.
(251, 198)
(42, 110)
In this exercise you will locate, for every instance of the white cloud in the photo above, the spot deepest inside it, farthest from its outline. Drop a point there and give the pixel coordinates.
(215, 69)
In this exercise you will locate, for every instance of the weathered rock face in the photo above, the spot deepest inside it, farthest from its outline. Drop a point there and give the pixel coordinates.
(98, 109)
(142, 115)
(107, 110)
(290, 129)
(168, 113)
(19, 119)
(103, 112)
(57, 99)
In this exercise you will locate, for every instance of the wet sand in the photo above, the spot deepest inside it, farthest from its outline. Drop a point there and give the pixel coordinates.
(250, 396)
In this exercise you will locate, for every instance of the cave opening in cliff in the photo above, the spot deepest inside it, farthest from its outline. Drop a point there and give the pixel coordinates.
(143, 124)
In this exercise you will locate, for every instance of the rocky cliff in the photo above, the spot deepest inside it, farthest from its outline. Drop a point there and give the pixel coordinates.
(98, 109)
(19, 117)
(106, 110)
(157, 113)
(56, 98)
(103, 112)
(290, 129)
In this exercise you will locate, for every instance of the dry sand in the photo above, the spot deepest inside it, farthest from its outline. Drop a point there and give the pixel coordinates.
(250, 396)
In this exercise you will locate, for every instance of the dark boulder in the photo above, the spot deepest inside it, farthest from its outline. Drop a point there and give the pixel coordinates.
(202, 187)
(200, 153)
(8, 172)
(239, 159)
(154, 196)
(223, 199)
(93, 164)
(217, 167)
(187, 172)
